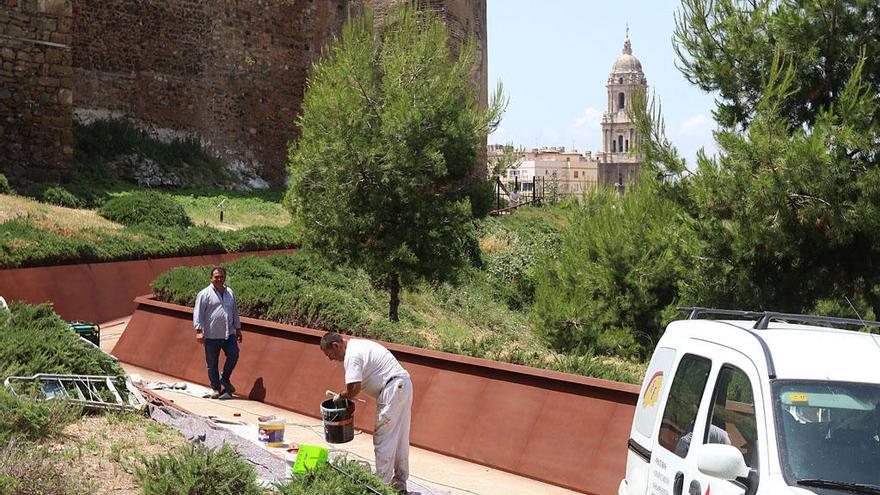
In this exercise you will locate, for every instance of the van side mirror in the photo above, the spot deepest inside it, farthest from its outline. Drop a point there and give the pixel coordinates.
(722, 461)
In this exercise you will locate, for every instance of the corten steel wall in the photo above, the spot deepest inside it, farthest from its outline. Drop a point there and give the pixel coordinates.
(563, 429)
(98, 291)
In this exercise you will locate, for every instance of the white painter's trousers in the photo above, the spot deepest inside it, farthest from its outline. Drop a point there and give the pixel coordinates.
(391, 438)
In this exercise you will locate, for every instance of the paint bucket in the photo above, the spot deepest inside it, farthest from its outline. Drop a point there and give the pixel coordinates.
(271, 431)
(338, 420)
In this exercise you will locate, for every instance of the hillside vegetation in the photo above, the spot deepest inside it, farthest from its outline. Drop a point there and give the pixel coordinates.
(102, 214)
(485, 313)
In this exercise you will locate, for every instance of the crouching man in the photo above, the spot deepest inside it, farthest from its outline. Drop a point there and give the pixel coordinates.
(370, 368)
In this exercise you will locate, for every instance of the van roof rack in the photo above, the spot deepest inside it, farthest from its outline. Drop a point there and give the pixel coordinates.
(696, 311)
(764, 317)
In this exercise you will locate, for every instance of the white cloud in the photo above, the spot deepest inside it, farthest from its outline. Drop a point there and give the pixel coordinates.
(587, 124)
(693, 133)
(696, 125)
(552, 133)
(586, 129)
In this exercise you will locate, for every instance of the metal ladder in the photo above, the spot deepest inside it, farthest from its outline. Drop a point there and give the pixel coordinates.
(90, 391)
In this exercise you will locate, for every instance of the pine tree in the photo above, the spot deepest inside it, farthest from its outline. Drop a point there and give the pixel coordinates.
(785, 216)
(384, 176)
(728, 46)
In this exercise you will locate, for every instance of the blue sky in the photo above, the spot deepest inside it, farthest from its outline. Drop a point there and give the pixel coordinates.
(554, 57)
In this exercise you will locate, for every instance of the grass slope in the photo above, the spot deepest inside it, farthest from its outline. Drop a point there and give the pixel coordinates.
(484, 315)
(51, 217)
(37, 234)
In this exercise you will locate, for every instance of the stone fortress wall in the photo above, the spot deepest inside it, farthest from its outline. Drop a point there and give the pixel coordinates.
(36, 126)
(231, 73)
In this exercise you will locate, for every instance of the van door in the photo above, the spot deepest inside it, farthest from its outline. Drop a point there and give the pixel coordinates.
(672, 465)
(733, 418)
(647, 414)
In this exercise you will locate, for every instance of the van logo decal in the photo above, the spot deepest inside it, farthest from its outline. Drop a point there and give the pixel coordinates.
(652, 391)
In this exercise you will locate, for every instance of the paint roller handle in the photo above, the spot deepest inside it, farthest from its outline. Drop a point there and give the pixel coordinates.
(337, 398)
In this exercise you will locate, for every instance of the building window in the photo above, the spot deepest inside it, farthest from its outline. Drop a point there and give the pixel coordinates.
(614, 146)
(621, 100)
(626, 145)
(575, 174)
(620, 80)
(620, 143)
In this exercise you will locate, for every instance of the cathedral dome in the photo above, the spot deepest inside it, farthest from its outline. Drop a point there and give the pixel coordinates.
(627, 62)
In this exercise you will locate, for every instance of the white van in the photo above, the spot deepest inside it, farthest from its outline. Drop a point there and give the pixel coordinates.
(760, 403)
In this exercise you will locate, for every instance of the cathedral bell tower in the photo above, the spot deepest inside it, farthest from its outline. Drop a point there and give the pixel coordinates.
(626, 81)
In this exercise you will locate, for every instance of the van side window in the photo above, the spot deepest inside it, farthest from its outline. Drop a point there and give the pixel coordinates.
(685, 396)
(733, 414)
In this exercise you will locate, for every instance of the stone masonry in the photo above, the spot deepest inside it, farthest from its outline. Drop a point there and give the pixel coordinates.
(229, 72)
(36, 88)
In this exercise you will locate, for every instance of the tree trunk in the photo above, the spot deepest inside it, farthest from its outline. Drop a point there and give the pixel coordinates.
(873, 300)
(394, 289)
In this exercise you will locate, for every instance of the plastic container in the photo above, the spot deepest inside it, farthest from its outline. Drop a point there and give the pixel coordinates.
(308, 458)
(271, 432)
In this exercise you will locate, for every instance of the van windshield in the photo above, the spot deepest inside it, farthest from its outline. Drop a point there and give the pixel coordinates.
(828, 431)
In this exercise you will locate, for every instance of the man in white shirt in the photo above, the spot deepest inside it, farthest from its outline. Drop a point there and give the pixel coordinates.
(372, 369)
(218, 326)
(515, 197)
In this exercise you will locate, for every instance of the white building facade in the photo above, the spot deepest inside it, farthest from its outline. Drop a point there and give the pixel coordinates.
(571, 173)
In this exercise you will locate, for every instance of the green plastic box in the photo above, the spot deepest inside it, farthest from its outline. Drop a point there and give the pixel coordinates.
(308, 458)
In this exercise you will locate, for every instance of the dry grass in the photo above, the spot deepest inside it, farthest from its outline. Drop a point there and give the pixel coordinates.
(492, 243)
(105, 449)
(57, 218)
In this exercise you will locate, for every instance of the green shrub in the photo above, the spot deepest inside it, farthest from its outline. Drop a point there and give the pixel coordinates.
(197, 470)
(33, 339)
(22, 418)
(60, 196)
(470, 317)
(145, 208)
(615, 275)
(303, 289)
(28, 469)
(481, 193)
(512, 247)
(326, 480)
(25, 243)
(4, 185)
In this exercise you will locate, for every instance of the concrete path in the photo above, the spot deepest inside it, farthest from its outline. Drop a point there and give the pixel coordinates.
(441, 473)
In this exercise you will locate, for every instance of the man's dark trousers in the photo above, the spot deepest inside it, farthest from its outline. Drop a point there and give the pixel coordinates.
(212, 357)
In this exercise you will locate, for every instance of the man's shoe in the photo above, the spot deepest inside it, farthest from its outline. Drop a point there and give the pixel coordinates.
(227, 387)
(215, 394)
(225, 396)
